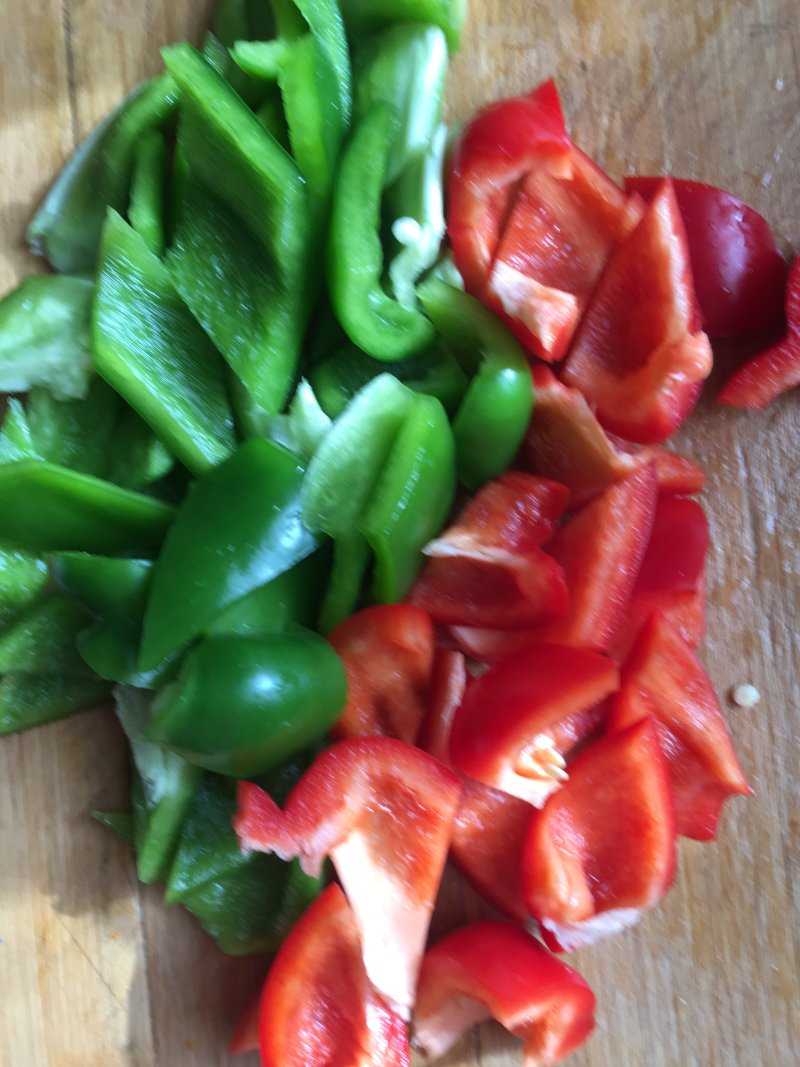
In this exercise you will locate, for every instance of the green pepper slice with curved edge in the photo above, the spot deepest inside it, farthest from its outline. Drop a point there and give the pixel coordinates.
(351, 562)
(150, 349)
(413, 497)
(66, 228)
(46, 508)
(28, 700)
(493, 416)
(372, 319)
(113, 589)
(366, 16)
(241, 705)
(239, 252)
(238, 527)
(147, 207)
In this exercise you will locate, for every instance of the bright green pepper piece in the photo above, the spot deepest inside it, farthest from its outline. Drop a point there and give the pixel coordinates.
(16, 442)
(166, 782)
(494, 414)
(239, 253)
(238, 527)
(66, 228)
(373, 320)
(79, 434)
(242, 705)
(147, 208)
(304, 427)
(45, 508)
(28, 700)
(111, 650)
(413, 498)
(42, 639)
(113, 589)
(148, 347)
(23, 580)
(351, 561)
(44, 336)
(365, 16)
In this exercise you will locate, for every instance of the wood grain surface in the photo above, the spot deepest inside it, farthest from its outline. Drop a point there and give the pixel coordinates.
(93, 969)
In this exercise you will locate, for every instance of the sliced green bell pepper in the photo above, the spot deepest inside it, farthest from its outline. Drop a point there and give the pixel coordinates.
(365, 16)
(138, 459)
(45, 508)
(149, 348)
(373, 320)
(79, 434)
(113, 589)
(44, 335)
(243, 20)
(238, 527)
(66, 228)
(494, 414)
(239, 253)
(23, 580)
(147, 208)
(242, 705)
(42, 639)
(28, 700)
(351, 562)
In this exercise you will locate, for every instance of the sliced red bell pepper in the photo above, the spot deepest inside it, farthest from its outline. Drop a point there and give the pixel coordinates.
(739, 274)
(559, 236)
(387, 651)
(383, 811)
(777, 368)
(603, 848)
(494, 152)
(494, 970)
(639, 355)
(487, 569)
(674, 473)
(663, 679)
(490, 826)
(505, 733)
(318, 1008)
(684, 610)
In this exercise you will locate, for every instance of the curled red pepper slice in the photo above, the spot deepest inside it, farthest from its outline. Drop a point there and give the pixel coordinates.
(383, 811)
(317, 1005)
(603, 847)
(495, 970)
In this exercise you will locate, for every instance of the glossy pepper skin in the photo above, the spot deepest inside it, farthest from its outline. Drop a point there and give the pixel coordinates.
(384, 812)
(495, 970)
(147, 207)
(494, 413)
(247, 509)
(318, 1006)
(28, 700)
(777, 368)
(243, 704)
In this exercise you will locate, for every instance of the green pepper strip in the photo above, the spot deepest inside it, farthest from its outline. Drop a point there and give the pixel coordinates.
(28, 700)
(413, 498)
(238, 527)
(242, 705)
(241, 20)
(66, 228)
(23, 580)
(147, 208)
(365, 16)
(149, 348)
(42, 639)
(45, 508)
(494, 414)
(373, 320)
(240, 247)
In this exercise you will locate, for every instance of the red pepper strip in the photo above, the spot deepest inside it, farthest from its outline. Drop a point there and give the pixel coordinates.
(684, 610)
(318, 1008)
(494, 970)
(663, 679)
(490, 826)
(387, 651)
(503, 732)
(639, 355)
(777, 368)
(739, 273)
(603, 848)
(487, 569)
(383, 810)
(495, 151)
(674, 474)
(559, 237)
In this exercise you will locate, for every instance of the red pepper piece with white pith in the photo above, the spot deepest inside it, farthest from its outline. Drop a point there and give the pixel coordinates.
(318, 1006)
(488, 569)
(639, 355)
(383, 811)
(506, 733)
(663, 679)
(494, 970)
(602, 849)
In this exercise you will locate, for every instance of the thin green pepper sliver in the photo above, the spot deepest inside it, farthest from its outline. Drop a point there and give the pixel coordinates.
(42, 639)
(239, 527)
(239, 253)
(46, 508)
(493, 416)
(372, 319)
(242, 705)
(28, 700)
(147, 208)
(150, 349)
(113, 589)
(66, 228)
(365, 16)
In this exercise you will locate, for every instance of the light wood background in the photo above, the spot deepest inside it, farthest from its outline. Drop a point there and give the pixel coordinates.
(93, 970)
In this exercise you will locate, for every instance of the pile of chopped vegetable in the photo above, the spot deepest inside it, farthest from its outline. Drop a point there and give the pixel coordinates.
(341, 469)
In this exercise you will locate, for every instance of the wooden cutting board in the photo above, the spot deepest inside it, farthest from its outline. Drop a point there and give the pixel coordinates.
(93, 970)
